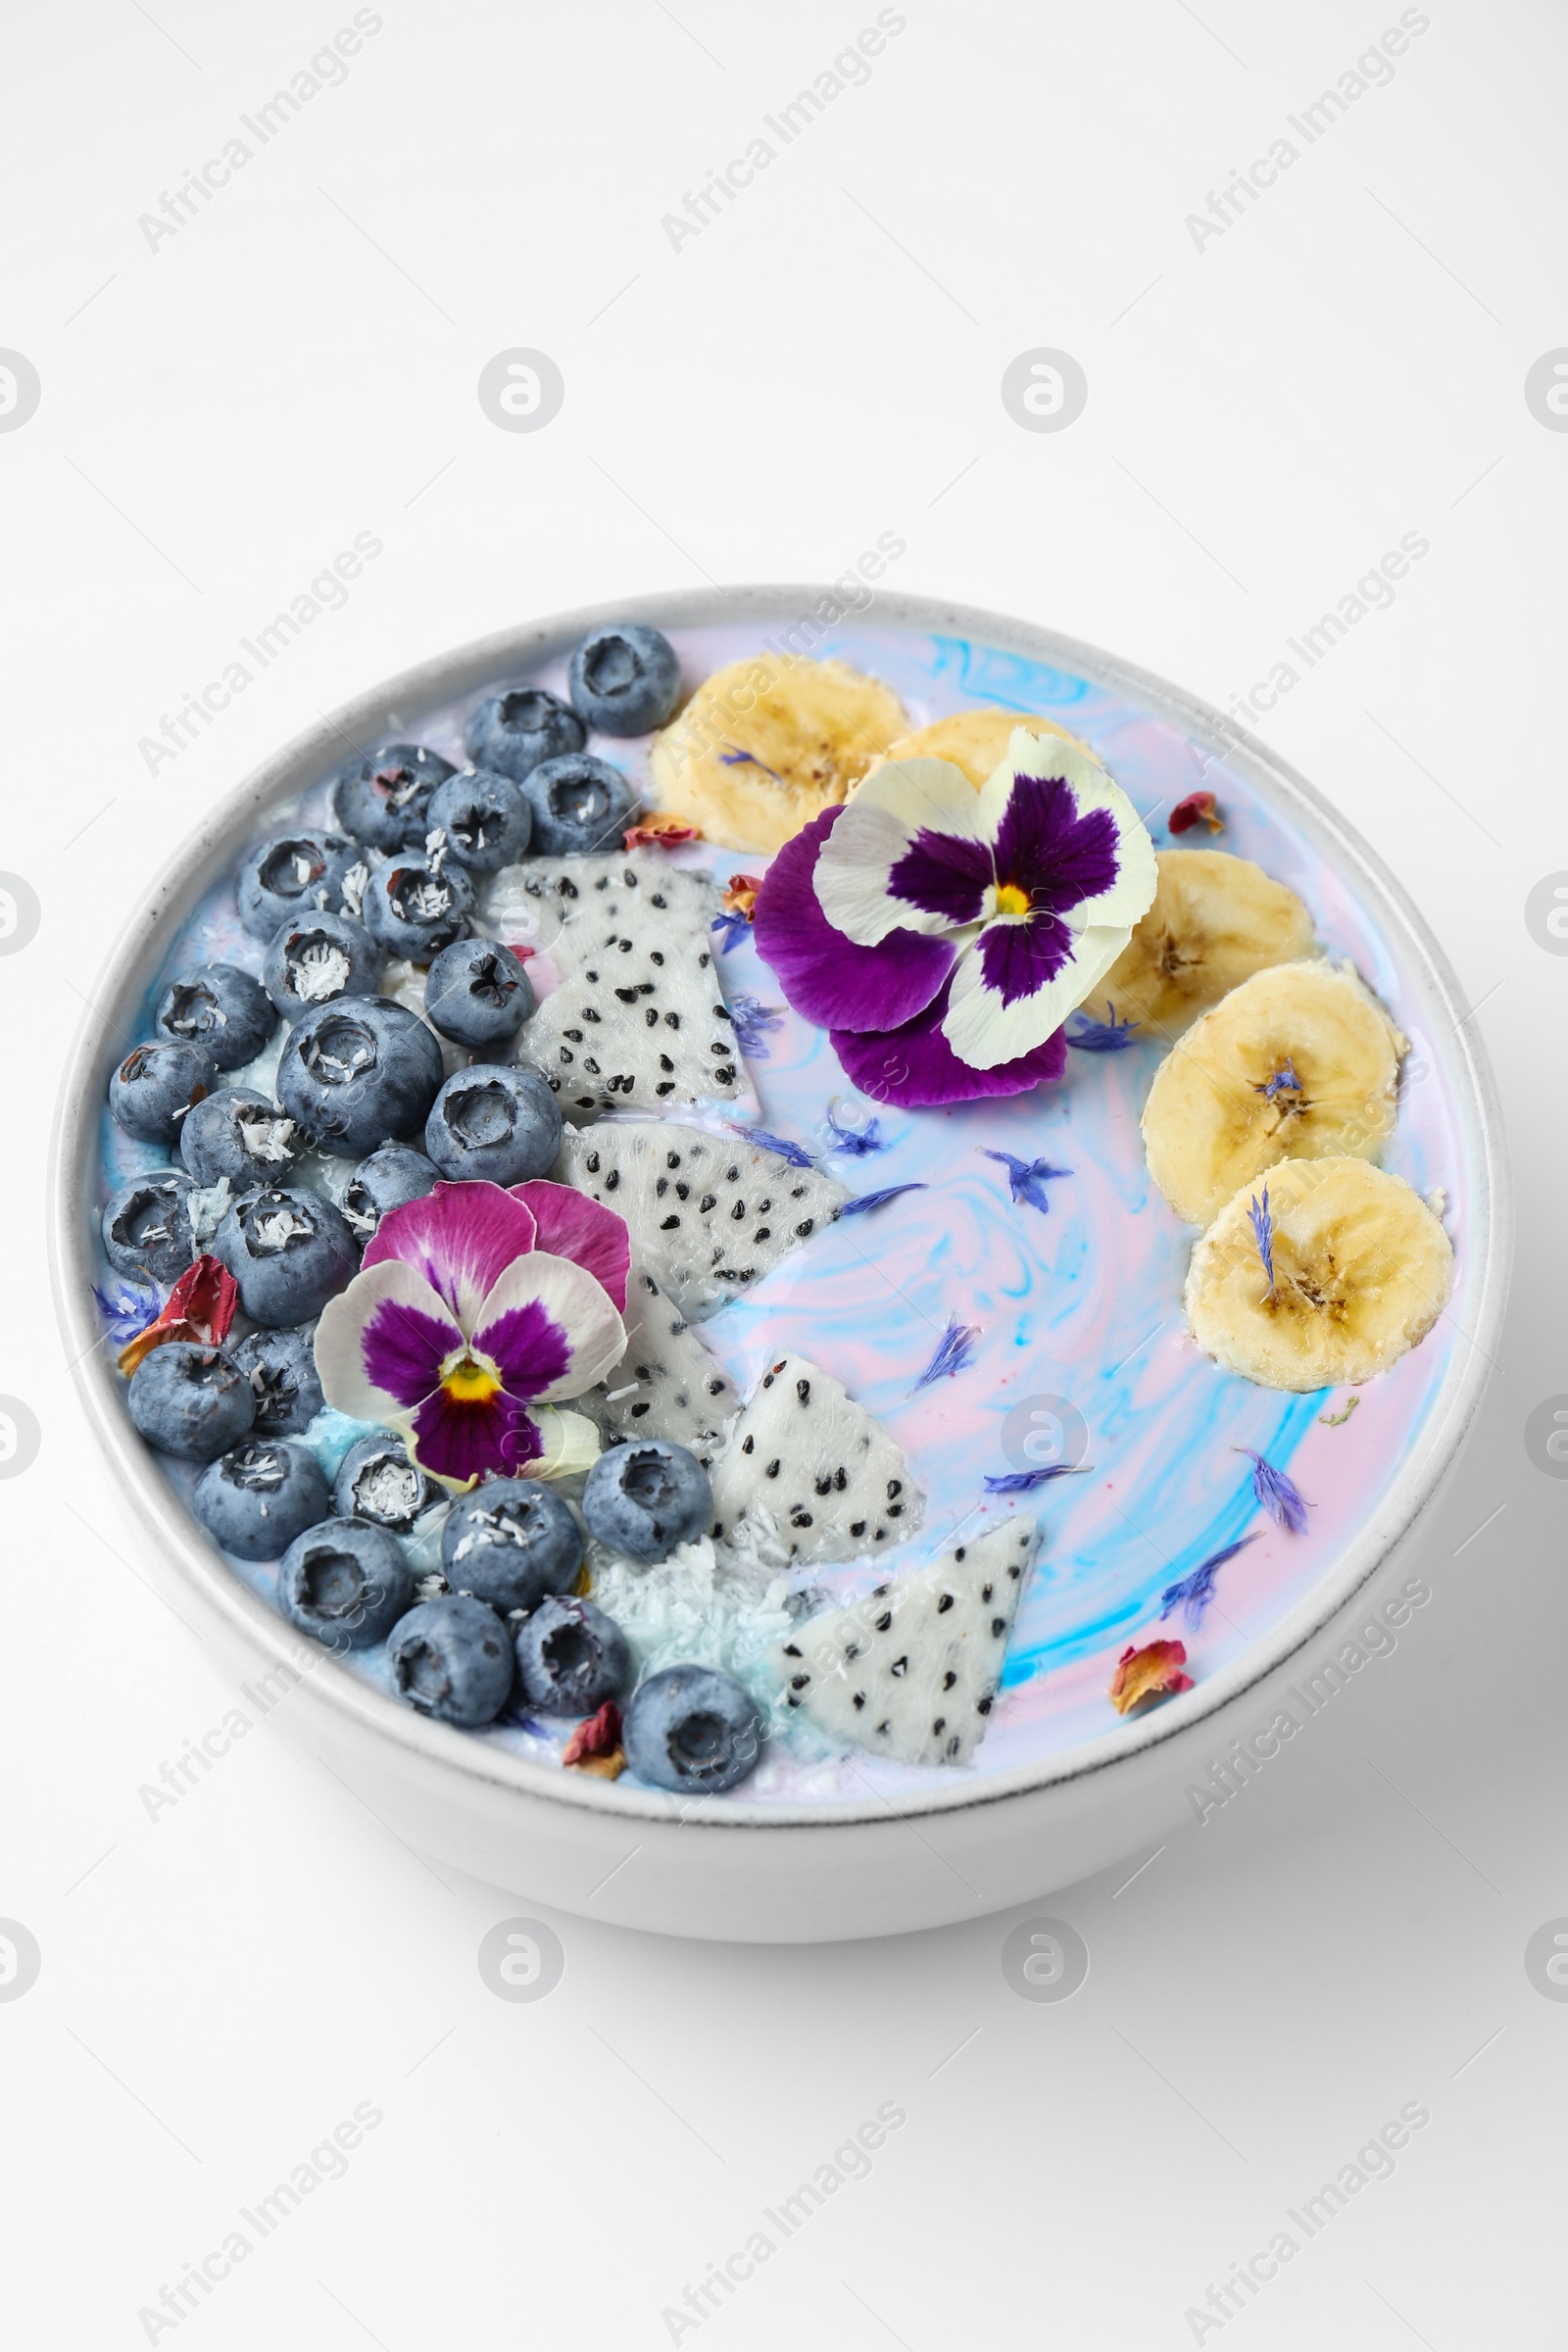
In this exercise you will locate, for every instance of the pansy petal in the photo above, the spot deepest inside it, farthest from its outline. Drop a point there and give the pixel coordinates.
(569, 1443)
(461, 1237)
(1066, 833)
(915, 1068)
(987, 1024)
(910, 853)
(550, 1328)
(380, 1344)
(826, 977)
(570, 1225)
(459, 1439)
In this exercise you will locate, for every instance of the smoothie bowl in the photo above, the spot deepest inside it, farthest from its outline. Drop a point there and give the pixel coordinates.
(774, 1263)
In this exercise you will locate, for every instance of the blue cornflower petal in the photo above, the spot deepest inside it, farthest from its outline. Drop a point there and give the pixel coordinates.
(1276, 1495)
(773, 1143)
(1024, 1482)
(733, 926)
(1028, 1179)
(1263, 1235)
(128, 1309)
(864, 1207)
(1195, 1592)
(954, 1352)
(736, 758)
(1284, 1081)
(753, 1020)
(1101, 1037)
(856, 1141)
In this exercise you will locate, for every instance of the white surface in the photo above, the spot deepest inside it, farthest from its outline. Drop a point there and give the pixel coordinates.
(227, 1982)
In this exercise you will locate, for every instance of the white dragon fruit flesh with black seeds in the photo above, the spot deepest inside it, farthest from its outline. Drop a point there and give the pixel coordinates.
(709, 1214)
(809, 1475)
(667, 1385)
(910, 1670)
(638, 1021)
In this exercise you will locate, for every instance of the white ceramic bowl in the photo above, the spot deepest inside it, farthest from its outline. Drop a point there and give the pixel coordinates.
(729, 1867)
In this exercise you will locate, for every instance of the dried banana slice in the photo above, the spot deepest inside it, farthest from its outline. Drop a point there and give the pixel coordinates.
(1343, 1273)
(1300, 1062)
(975, 741)
(768, 744)
(1215, 920)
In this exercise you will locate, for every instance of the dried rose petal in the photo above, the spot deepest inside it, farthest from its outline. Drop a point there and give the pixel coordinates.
(658, 830)
(207, 1294)
(201, 1307)
(1144, 1672)
(598, 1737)
(741, 896)
(1199, 808)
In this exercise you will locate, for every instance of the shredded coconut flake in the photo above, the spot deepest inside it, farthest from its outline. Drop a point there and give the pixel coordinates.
(276, 1228)
(207, 1208)
(319, 972)
(388, 1490)
(266, 1136)
(697, 1608)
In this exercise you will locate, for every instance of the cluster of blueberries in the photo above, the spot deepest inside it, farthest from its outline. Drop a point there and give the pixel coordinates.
(506, 1638)
(364, 1078)
(360, 1073)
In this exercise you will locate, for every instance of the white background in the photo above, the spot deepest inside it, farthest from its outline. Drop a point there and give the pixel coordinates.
(1266, 416)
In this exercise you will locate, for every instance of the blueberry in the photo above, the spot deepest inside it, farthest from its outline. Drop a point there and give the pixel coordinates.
(345, 1583)
(580, 803)
(255, 1500)
(358, 1075)
(647, 1496)
(315, 959)
(387, 1180)
(513, 732)
(147, 1226)
(492, 1121)
(378, 1483)
(155, 1087)
(691, 1729)
(382, 801)
(289, 1252)
(416, 909)
(280, 1366)
(477, 992)
(219, 1008)
(297, 873)
(239, 1134)
(451, 1658)
(625, 680)
(485, 818)
(511, 1543)
(192, 1402)
(571, 1657)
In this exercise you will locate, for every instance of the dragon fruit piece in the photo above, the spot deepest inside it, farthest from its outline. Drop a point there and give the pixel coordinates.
(709, 1214)
(667, 1385)
(808, 1475)
(910, 1670)
(638, 1020)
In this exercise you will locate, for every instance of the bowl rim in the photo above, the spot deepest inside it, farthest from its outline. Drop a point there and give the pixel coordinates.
(381, 711)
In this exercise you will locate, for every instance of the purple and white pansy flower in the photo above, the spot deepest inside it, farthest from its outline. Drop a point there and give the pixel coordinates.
(475, 1309)
(943, 935)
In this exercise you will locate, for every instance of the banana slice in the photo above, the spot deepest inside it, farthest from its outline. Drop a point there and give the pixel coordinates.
(1300, 1062)
(975, 741)
(768, 744)
(1361, 1271)
(1215, 920)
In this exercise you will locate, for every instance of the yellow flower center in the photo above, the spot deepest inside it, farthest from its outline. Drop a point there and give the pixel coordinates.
(1010, 899)
(467, 1380)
